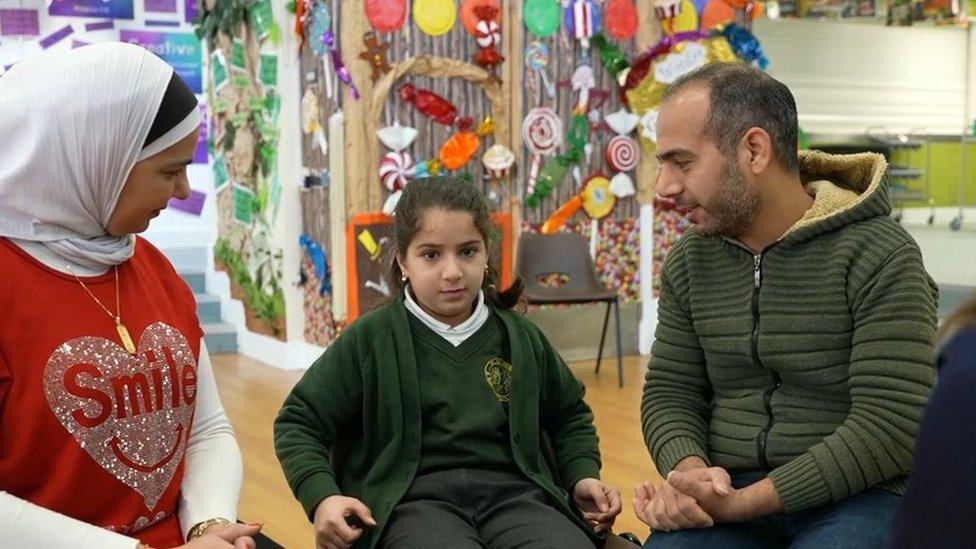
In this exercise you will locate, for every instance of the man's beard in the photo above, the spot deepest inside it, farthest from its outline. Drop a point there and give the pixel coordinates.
(734, 209)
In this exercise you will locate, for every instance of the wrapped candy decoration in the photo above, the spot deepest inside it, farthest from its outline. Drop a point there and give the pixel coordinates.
(622, 186)
(610, 55)
(553, 173)
(396, 170)
(469, 19)
(488, 33)
(458, 149)
(428, 168)
(397, 137)
(582, 20)
(485, 127)
(745, 45)
(430, 104)
(622, 121)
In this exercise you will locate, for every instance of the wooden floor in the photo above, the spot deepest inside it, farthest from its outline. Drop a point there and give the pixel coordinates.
(252, 393)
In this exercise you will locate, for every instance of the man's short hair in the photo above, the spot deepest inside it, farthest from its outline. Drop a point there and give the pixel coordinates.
(743, 97)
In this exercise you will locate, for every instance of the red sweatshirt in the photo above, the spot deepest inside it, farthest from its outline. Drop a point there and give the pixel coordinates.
(86, 429)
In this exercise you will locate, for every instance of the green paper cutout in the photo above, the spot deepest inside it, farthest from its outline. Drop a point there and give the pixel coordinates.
(269, 69)
(243, 205)
(237, 58)
(220, 173)
(218, 70)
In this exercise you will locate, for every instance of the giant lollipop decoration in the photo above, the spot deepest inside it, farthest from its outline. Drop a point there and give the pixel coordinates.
(386, 15)
(621, 19)
(622, 153)
(542, 134)
(536, 59)
(598, 201)
(541, 17)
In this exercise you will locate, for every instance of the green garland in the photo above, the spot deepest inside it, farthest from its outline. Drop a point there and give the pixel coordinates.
(268, 307)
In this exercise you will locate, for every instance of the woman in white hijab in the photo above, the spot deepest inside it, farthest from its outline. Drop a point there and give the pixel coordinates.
(112, 434)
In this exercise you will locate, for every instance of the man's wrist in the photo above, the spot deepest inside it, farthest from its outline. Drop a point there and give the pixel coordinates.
(690, 462)
(758, 500)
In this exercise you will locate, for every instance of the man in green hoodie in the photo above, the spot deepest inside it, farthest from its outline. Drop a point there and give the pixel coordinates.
(793, 354)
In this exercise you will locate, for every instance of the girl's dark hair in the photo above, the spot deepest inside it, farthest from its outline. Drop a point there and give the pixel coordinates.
(451, 194)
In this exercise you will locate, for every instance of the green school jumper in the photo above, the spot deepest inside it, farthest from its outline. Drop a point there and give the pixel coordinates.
(352, 424)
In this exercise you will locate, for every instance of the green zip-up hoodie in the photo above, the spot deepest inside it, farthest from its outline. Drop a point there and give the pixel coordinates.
(360, 403)
(812, 359)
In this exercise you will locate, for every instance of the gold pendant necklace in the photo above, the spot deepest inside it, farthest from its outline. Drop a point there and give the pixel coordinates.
(117, 317)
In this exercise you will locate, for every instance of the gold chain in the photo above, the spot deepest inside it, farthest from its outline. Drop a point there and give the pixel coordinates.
(119, 327)
(116, 317)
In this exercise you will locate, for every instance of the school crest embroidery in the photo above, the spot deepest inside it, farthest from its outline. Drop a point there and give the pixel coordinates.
(498, 374)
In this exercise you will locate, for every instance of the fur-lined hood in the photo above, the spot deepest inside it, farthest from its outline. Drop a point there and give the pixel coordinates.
(846, 189)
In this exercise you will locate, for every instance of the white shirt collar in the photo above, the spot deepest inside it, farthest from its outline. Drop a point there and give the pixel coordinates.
(454, 335)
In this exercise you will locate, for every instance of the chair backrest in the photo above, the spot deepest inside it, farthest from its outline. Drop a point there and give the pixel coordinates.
(568, 253)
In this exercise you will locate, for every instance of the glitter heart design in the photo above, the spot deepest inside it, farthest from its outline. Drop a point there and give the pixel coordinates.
(131, 413)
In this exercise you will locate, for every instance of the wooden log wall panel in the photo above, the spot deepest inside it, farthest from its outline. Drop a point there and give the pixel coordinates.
(566, 55)
(315, 217)
(313, 76)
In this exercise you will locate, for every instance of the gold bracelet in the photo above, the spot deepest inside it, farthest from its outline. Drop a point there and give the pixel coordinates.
(199, 528)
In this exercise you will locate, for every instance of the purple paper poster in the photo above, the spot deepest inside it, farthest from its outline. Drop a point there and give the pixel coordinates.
(106, 9)
(19, 22)
(192, 205)
(160, 6)
(200, 152)
(182, 50)
(189, 10)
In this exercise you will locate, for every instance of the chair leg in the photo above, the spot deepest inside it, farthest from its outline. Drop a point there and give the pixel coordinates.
(603, 336)
(620, 361)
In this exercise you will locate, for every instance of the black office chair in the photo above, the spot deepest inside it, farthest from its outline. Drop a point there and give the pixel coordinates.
(542, 255)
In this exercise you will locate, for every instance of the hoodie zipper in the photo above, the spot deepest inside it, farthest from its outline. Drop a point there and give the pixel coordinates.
(761, 439)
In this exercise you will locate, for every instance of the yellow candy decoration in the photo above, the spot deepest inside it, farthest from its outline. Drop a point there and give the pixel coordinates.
(598, 201)
(434, 17)
(485, 127)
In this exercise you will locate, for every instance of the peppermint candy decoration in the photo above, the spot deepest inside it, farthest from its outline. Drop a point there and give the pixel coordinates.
(396, 170)
(622, 153)
(542, 131)
(488, 33)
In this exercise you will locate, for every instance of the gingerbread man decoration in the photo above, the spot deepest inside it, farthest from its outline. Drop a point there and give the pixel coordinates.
(375, 55)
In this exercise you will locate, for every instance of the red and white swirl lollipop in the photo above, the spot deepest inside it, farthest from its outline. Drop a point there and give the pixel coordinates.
(622, 153)
(396, 170)
(542, 133)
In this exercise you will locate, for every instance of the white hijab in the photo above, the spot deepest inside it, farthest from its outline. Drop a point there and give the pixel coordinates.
(73, 123)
